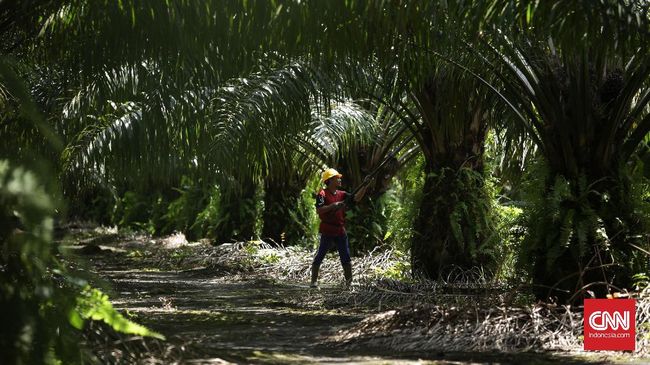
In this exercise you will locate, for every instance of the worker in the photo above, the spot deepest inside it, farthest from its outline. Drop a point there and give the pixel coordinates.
(331, 204)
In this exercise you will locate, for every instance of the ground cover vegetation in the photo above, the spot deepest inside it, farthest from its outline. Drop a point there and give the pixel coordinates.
(516, 136)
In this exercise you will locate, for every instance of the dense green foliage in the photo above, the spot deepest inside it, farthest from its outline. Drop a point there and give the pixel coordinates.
(32, 301)
(522, 129)
(43, 304)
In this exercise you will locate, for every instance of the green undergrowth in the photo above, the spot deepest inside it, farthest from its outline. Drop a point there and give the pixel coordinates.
(95, 305)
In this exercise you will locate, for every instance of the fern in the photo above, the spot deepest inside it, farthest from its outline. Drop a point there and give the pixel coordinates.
(93, 304)
(576, 233)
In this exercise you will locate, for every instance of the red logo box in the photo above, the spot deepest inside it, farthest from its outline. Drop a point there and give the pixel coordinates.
(610, 324)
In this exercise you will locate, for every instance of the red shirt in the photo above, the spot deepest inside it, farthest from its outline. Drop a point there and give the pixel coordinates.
(332, 223)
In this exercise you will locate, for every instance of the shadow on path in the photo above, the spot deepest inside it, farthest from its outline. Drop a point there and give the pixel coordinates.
(219, 321)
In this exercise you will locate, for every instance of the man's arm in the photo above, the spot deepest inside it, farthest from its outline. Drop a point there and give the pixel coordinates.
(322, 208)
(331, 207)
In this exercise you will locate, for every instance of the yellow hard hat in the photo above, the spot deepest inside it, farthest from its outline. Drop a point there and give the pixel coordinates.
(328, 174)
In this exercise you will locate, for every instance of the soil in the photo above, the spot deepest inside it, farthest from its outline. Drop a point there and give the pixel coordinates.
(214, 317)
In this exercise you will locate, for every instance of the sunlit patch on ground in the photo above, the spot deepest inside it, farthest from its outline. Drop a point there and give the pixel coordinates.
(232, 304)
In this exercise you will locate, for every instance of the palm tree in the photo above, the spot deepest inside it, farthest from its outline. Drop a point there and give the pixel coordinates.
(580, 88)
(453, 224)
(133, 129)
(415, 39)
(384, 154)
(258, 112)
(327, 135)
(256, 30)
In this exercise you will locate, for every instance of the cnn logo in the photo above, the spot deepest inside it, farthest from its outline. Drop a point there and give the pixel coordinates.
(602, 321)
(609, 324)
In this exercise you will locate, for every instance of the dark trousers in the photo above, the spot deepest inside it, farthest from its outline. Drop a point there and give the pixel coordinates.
(327, 242)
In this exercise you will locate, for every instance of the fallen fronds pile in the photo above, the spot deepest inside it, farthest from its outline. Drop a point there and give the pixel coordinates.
(289, 264)
(466, 313)
(471, 328)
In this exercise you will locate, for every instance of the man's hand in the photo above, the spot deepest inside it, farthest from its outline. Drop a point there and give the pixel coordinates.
(360, 194)
(338, 205)
(330, 208)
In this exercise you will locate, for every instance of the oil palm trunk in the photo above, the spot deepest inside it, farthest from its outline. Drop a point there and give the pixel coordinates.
(587, 193)
(452, 225)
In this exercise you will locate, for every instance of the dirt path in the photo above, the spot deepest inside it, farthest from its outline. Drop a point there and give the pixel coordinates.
(215, 319)
(219, 321)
